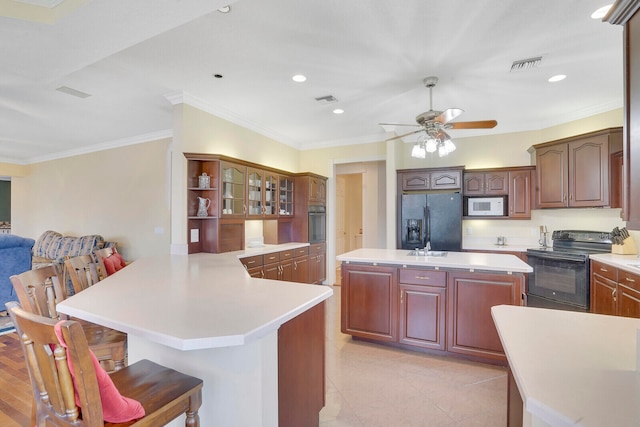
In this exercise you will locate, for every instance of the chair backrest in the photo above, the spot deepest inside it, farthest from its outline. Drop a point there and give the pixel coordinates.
(82, 271)
(101, 255)
(39, 291)
(51, 380)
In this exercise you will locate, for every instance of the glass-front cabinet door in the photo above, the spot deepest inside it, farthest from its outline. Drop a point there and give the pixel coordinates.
(270, 195)
(233, 178)
(254, 193)
(285, 196)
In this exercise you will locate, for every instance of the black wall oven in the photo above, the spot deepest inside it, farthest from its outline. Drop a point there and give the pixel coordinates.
(560, 277)
(317, 223)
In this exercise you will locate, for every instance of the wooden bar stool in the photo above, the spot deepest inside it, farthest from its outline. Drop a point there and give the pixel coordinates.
(70, 391)
(39, 291)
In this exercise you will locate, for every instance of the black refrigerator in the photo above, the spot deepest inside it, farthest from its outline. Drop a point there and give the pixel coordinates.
(435, 218)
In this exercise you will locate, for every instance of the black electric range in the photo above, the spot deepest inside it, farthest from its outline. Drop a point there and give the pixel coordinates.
(560, 277)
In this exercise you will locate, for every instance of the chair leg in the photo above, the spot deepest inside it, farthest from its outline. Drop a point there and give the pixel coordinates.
(195, 401)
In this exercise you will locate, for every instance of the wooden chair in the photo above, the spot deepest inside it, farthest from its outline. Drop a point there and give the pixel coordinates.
(82, 271)
(101, 255)
(39, 291)
(164, 393)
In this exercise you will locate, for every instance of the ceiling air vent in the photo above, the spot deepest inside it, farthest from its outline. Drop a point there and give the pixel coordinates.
(72, 92)
(329, 99)
(525, 64)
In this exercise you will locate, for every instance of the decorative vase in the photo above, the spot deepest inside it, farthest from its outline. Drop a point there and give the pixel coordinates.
(203, 205)
(204, 180)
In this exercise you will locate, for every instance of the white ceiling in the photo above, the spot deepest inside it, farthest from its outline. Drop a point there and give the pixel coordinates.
(370, 54)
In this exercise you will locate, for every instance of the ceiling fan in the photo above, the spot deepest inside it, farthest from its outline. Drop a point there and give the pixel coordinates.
(434, 123)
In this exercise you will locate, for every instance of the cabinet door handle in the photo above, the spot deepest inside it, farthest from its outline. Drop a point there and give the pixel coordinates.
(613, 294)
(295, 265)
(422, 277)
(250, 262)
(603, 269)
(629, 280)
(401, 296)
(262, 273)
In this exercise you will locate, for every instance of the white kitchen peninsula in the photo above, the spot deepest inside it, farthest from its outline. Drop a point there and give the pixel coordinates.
(203, 315)
(570, 368)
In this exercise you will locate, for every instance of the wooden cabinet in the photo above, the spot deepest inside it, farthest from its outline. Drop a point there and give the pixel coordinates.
(317, 263)
(430, 179)
(614, 291)
(422, 308)
(262, 194)
(369, 302)
(240, 190)
(317, 190)
(574, 172)
(232, 195)
(514, 182)
(490, 183)
(520, 193)
(285, 196)
(301, 264)
(471, 330)
(604, 281)
(625, 12)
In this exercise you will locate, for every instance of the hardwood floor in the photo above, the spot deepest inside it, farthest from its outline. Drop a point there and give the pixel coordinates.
(15, 389)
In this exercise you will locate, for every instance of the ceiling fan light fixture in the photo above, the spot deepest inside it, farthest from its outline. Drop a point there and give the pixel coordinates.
(418, 151)
(431, 145)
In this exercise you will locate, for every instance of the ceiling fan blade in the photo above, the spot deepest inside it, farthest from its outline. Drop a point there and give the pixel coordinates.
(397, 124)
(403, 135)
(482, 124)
(448, 115)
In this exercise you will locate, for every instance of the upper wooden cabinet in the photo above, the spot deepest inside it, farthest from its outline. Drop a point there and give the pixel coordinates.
(491, 183)
(317, 189)
(514, 182)
(625, 12)
(262, 194)
(430, 179)
(232, 191)
(574, 172)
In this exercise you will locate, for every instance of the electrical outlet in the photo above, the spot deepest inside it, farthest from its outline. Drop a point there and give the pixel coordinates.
(469, 231)
(195, 235)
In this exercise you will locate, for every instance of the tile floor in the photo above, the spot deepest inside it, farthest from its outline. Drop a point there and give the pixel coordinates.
(373, 385)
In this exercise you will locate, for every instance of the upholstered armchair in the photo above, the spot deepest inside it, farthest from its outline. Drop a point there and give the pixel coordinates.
(15, 258)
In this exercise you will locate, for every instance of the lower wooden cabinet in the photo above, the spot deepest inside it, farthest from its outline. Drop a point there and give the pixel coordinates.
(292, 265)
(317, 263)
(614, 291)
(471, 330)
(448, 311)
(369, 302)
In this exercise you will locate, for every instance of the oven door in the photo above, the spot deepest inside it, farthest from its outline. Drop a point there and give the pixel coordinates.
(558, 281)
(317, 224)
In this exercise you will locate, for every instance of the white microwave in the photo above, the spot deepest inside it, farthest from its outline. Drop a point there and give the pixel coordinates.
(486, 206)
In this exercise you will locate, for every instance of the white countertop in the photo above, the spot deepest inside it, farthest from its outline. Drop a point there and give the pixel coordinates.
(571, 368)
(625, 262)
(194, 301)
(455, 260)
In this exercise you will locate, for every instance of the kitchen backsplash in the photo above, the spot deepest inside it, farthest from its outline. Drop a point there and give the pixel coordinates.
(478, 232)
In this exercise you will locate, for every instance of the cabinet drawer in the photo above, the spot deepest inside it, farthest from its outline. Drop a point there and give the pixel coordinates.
(604, 270)
(317, 248)
(629, 279)
(301, 252)
(286, 254)
(273, 257)
(252, 261)
(415, 276)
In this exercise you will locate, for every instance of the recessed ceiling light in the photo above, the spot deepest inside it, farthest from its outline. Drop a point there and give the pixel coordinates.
(600, 13)
(338, 111)
(225, 9)
(557, 78)
(299, 78)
